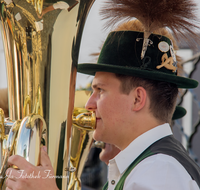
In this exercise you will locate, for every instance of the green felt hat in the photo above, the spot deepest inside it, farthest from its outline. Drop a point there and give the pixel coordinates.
(121, 53)
(179, 113)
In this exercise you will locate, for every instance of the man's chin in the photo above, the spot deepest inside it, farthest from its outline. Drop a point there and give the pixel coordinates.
(96, 136)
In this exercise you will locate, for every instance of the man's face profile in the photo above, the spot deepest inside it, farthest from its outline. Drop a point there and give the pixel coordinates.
(112, 108)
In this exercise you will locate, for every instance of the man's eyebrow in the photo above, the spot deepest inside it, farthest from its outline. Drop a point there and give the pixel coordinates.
(94, 86)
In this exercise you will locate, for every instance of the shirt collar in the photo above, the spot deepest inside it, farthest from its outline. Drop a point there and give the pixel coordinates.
(137, 146)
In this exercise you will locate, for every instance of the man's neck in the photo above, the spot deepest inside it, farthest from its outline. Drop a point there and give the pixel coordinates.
(139, 126)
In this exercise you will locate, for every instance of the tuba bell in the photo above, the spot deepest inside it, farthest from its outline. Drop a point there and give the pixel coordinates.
(41, 42)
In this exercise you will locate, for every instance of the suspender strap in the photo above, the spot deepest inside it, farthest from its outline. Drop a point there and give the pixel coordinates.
(172, 147)
(141, 157)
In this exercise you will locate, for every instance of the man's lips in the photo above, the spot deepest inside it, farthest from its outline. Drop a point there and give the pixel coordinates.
(98, 118)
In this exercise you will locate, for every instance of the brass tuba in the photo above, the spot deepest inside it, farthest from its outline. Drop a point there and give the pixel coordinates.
(41, 42)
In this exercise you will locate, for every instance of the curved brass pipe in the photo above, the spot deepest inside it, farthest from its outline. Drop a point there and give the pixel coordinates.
(81, 142)
(8, 149)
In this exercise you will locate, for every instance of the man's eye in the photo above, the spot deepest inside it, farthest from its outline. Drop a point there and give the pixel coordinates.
(100, 90)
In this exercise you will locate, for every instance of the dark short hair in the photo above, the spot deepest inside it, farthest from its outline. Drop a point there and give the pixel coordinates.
(162, 95)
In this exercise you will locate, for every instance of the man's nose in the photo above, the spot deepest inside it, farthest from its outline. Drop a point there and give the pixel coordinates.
(91, 103)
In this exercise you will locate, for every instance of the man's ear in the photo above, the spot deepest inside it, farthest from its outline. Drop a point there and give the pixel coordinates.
(140, 96)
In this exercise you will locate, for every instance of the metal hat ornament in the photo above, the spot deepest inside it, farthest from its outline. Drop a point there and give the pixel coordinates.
(145, 54)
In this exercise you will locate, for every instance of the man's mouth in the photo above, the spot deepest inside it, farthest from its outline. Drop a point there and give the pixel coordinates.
(98, 118)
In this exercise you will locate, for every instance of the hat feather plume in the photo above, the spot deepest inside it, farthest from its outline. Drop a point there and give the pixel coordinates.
(178, 15)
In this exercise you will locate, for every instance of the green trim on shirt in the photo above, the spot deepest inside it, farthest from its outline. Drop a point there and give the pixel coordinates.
(141, 157)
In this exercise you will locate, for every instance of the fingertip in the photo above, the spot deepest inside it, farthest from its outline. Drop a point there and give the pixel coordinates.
(44, 148)
(9, 164)
(17, 161)
(7, 172)
(44, 158)
(11, 159)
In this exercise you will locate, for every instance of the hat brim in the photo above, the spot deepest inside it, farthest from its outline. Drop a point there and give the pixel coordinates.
(179, 113)
(181, 82)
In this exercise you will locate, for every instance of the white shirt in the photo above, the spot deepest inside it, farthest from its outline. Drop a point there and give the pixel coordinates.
(157, 172)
